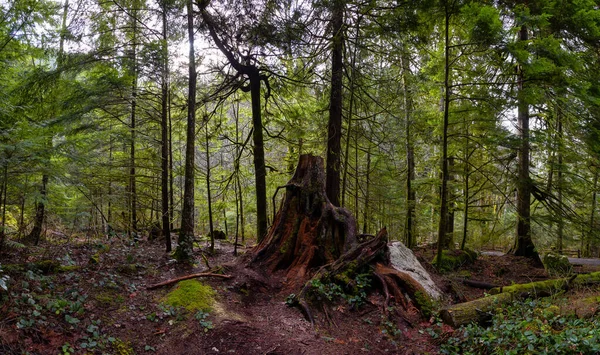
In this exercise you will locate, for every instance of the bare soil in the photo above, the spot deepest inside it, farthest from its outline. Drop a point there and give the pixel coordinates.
(104, 307)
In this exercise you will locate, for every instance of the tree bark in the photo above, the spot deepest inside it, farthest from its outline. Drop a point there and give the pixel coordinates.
(411, 197)
(334, 130)
(443, 227)
(524, 244)
(166, 222)
(208, 192)
(184, 250)
(308, 230)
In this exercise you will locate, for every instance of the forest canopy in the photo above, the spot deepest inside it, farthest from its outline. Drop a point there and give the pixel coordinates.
(465, 123)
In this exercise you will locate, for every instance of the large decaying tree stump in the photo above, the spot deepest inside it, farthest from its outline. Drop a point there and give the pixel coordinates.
(312, 240)
(308, 231)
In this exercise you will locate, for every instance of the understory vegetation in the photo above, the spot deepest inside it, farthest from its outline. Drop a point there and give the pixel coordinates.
(528, 327)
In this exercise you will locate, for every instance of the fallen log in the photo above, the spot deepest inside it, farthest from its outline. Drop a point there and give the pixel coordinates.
(478, 284)
(480, 309)
(187, 277)
(549, 287)
(476, 311)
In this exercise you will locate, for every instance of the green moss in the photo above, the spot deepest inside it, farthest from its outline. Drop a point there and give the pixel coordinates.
(123, 348)
(191, 295)
(453, 259)
(69, 268)
(424, 303)
(127, 268)
(107, 299)
(557, 264)
(538, 287)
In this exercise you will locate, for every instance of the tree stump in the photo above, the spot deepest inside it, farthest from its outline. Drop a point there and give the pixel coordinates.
(308, 231)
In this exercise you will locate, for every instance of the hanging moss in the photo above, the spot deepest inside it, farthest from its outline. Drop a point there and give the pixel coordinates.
(191, 295)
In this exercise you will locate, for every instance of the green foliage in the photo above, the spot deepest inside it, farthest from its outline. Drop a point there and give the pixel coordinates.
(201, 317)
(454, 259)
(191, 295)
(3, 280)
(354, 292)
(530, 327)
(557, 265)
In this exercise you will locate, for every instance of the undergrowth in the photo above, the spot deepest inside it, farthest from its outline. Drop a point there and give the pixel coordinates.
(529, 327)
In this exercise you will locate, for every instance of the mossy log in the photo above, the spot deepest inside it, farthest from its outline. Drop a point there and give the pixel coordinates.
(549, 287)
(453, 259)
(477, 311)
(480, 309)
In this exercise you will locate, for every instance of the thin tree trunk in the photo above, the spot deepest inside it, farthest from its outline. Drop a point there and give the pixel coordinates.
(3, 193)
(411, 197)
(368, 182)
(184, 250)
(171, 177)
(592, 229)
(467, 192)
(166, 223)
(559, 182)
(451, 202)
(350, 113)
(260, 171)
(208, 193)
(524, 244)
(132, 178)
(334, 130)
(442, 227)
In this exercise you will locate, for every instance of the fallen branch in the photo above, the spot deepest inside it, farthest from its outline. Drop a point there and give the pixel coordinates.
(187, 277)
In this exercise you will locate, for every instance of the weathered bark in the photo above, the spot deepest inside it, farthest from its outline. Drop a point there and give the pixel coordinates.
(524, 244)
(186, 237)
(308, 231)
(591, 229)
(334, 130)
(476, 311)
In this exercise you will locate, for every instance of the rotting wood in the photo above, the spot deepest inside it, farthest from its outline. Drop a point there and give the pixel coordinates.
(187, 277)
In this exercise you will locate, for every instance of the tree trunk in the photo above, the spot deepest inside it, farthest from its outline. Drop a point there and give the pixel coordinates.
(591, 233)
(184, 250)
(443, 227)
(308, 231)
(368, 183)
(524, 244)
(260, 171)
(40, 208)
(166, 222)
(208, 193)
(334, 130)
(411, 197)
(3, 193)
(559, 182)
(132, 179)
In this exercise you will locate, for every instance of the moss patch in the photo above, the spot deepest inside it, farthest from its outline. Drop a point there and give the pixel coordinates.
(557, 264)
(453, 259)
(191, 295)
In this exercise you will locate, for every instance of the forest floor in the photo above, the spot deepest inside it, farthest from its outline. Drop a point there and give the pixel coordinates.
(99, 304)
